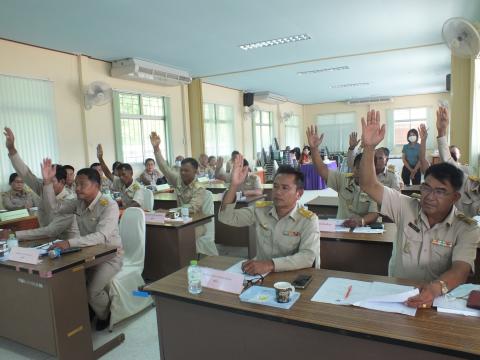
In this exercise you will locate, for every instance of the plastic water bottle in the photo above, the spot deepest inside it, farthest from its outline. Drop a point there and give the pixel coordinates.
(194, 278)
(12, 241)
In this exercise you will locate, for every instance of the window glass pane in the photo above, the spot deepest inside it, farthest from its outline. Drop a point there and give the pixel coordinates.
(401, 114)
(418, 113)
(266, 139)
(132, 140)
(258, 139)
(336, 128)
(225, 138)
(256, 116)
(129, 104)
(218, 129)
(152, 106)
(209, 112)
(159, 127)
(210, 138)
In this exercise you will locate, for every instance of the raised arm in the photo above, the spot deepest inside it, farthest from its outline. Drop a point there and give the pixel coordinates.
(314, 141)
(424, 164)
(172, 176)
(219, 172)
(104, 166)
(372, 135)
(353, 142)
(442, 126)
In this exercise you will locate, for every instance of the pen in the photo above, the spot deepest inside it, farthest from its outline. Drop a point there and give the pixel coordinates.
(347, 294)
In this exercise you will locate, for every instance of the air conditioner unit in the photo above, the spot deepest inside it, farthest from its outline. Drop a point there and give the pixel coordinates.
(140, 70)
(270, 98)
(370, 100)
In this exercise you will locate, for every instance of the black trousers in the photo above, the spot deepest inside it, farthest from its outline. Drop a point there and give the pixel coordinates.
(406, 177)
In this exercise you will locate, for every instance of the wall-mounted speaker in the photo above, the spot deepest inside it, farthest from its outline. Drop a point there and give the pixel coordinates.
(248, 99)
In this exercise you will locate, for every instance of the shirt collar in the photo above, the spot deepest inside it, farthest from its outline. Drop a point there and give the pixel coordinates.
(447, 221)
(94, 202)
(62, 194)
(292, 214)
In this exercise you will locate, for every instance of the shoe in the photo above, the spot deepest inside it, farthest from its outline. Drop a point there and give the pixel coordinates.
(102, 324)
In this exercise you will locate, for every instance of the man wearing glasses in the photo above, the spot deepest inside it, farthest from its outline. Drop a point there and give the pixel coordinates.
(435, 243)
(288, 237)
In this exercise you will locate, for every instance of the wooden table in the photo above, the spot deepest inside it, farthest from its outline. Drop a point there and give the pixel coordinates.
(324, 204)
(24, 223)
(170, 246)
(45, 306)
(412, 189)
(359, 253)
(216, 325)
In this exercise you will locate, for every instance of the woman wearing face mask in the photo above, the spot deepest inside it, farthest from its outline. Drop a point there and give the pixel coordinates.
(411, 159)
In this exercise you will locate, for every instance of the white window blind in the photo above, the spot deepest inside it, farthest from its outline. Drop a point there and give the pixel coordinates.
(218, 129)
(136, 116)
(263, 130)
(292, 132)
(337, 128)
(27, 107)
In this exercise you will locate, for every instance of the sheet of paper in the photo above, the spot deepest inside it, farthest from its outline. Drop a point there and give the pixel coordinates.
(237, 269)
(222, 280)
(336, 291)
(455, 302)
(25, 255)
(326, 225)
(155, 217)
(342, 229)
(367, 230)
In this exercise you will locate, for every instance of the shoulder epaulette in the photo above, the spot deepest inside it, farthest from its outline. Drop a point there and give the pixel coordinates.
(103, 202)
(136, 186)
(391, 168)
(263, 203)
(466, 219)
(305, 213)
(474, 178)
(349, 175)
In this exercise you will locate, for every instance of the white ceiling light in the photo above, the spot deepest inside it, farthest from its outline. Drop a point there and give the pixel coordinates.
(341, 86)
(310, 72)
(274, 42)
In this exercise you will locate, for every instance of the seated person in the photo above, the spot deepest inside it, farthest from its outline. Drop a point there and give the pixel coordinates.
(469, 201)
(106, 183)
(70, 181)
(202, 165)
(435, 244)
(306, 157)
(189, 192)
(225, 174)
(178, 162)
(251, 185)
(115, 171)
(353, 204)
(212, 165)
(288, 237)
(18, 197)
(97, 218)
(45, 213)
(131, 192)
(151, 176)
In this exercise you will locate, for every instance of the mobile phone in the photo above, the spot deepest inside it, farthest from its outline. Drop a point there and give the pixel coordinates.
(301, 281)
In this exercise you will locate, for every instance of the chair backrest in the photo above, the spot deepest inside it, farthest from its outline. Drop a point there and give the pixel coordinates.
(148, 199)
(207, 206)
(132, 232)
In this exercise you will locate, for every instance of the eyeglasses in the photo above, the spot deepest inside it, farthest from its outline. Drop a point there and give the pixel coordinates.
(427, 190)
(254, 281)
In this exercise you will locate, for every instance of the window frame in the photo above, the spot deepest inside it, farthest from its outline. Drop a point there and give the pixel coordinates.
(409, 108)
(261, 125)
(216, 121)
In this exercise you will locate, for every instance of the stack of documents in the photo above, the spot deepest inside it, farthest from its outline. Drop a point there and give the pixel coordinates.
(370, 295)
(455, 302)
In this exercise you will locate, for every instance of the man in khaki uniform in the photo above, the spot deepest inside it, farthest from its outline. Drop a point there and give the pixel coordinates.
(353, 204)
(45, 214)
(252, 185)
(189, 192)
(97, 218)
(288, 237)
(435, 243)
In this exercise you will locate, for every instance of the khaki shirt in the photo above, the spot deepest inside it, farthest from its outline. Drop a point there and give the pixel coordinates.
(469, 202)
(16, 200)
(292, 242)
(149, 179)
(389, 178)
(106, 184)
(252, 182)
(421, 252)
(351, 200)
(131, 194)
(445, 156)
(63, 227)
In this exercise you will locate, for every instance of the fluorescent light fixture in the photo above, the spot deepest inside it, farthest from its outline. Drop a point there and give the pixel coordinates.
(317, 71)
(274, 42)
(340, 86)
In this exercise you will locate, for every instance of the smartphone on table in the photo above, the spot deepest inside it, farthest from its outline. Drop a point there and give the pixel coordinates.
(301, 281)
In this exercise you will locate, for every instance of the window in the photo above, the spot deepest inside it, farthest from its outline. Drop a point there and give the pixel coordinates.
(337, 129)
(136, 117)
(292, 132)
(406, 119)
(218, 129)
(263, 130)
(27, 107)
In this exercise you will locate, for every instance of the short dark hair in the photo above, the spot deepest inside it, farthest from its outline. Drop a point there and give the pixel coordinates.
(412, 131)
(67, 167)
(357, 159)
(61, 173)
(289, 170)
(235, 152)
(147, 160)
(245, 162)
(445, 172)
(126, 167)
(12, 178)
(115, 165)
(211, 157)
(190, 161)
(95, 165)
(91, 174)
(385, 151)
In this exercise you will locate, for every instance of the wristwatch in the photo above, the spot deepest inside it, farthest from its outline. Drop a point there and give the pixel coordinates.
(444, 287)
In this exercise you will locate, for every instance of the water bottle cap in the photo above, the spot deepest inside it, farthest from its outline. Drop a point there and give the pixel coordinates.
(193, 262)
(11, 236)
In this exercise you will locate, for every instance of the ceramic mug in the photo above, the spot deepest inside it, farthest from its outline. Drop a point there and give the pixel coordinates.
(283, 291)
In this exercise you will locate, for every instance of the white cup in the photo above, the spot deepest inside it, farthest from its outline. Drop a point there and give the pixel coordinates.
(283, 290)
(185, 212)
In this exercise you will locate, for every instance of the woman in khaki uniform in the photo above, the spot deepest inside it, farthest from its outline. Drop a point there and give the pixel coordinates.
(18, 197)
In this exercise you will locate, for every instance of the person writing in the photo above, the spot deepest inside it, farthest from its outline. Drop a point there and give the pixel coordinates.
(436, 244)
(288, 237)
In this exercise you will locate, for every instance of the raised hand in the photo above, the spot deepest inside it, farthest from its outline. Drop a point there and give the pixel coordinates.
(48, 171)
(239, 172)
(353, 141)
(99, 151)
(442, 121)
(372, 132)
(314, 140)
(423, 132)
(9, 138)
(155, 140)
(219, 163)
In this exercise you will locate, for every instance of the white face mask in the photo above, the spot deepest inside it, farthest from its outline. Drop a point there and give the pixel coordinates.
(178, 163)
(412, 138)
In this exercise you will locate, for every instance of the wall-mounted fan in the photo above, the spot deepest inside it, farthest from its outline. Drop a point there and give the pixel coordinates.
(287, 116)
(97, 93)
(248, 111)
(462, 37)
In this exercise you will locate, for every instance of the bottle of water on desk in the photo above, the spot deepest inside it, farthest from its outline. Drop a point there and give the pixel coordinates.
(194, 278)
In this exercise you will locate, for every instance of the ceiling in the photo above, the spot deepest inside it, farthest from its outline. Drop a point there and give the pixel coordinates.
(391, 48)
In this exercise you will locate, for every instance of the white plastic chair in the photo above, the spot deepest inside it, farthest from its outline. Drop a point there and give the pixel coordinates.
(123, 303)
(148, 199)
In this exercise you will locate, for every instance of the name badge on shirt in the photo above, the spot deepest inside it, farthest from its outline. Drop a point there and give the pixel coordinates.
(442, 243)
(414, 227)
(291, 233)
